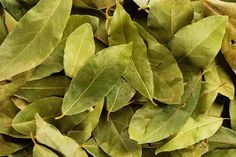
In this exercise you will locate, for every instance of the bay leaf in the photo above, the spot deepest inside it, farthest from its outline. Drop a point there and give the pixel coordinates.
(3, 30)
(109, 63)
(8, 108)
(10, 22)
(41, 151)
(232, 112)
(224, 138)
(119, 96)
(166, 73)
(92, 147)
(48, 108)
(79, 48)
(206, 36)
(49, 135)
(19, 48)
(112, 136)
(168, 16)
(151, 124)
(122, 30)
(82, 132)
(46, 87)
(19, 103)
(193, 131)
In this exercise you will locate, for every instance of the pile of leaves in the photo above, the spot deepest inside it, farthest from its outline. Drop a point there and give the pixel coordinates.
(128, 78)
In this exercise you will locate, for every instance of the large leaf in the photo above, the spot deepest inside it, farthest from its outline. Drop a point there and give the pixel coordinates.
(49, 135)
(89, 86)
(168, 16)
(82, 132)
(41, 151)
(122, 30)
(224, 138)
(206, 36)
(54, 63)
(44, 24)
(119, 96)
(192, 132)
(48, 108)
(168, 79)
(151, 124)
(38, 89)
(112, 136)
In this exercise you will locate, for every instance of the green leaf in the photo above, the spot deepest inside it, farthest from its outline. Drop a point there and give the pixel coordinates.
(3, 30)
(193, 131)
(168, 16)
(109, 63)
(10, 22)
(41, 151)
(82, 132)
(222, 152)
(79, 48)
(139, 74)
(28, 50)
(54, 63)
(119, 96)
(92, 147)
(48, 108)
(168, 79)
(8, 147)
(97, 4)
(38, 89)
(151, 124)
(112, 136)
(49, 135)
(206, 36)
(224, 138)
(232, 112)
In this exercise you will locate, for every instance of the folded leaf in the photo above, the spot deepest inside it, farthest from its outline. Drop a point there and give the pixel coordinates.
(51, 137)
(109, 63)
(48, 108)
(46, 87)
(151, 124)
(122, 30)
(41, 151)
(119, 96)
(206, 36)
(79, 48)
(168, 79)
(193, 131)
(45, 24)
(168, 16)
(112, 136)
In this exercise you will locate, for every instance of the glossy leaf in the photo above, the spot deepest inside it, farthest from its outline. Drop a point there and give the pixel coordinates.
(168, 16)
(79, 48)
(119, 96)
(48, 108)
(41, 151)
(82, 132)
(206, 36)
(50, 136)
(152, 124)
(109, 63)
(166, 73)
(112, 136)
(27, 50)
(46, 87)
(122, 30)
(192, 132)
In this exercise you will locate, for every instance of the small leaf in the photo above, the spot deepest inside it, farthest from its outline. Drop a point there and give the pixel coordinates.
(92, 147)
(41, 151)
(232, 112)
(192, 132)
(79, 48)
(51, 137)
(48, 108)
(206, 36)
(109, 63)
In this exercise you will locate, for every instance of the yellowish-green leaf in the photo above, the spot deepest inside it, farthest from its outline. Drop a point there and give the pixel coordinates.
(41, 151)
